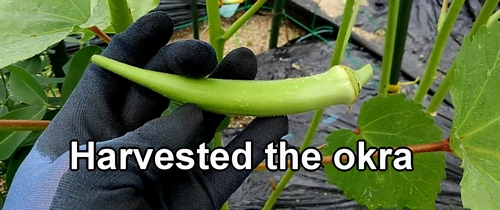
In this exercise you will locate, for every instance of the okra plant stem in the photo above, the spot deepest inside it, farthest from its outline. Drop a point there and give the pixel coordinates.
(437, 50)
(349, 16)
(338, 85)
(119, 15)
(484, 17)
(243, 19)
(390, 39)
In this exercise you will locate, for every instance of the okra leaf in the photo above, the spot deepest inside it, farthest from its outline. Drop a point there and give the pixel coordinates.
(48, 80)
(172, 107)
(33, 65)
(10, 140)
(31, 26)
(3, 91)
(25, 87)
(475, 93)
(390, 121)
(3, 109)
(76, 68)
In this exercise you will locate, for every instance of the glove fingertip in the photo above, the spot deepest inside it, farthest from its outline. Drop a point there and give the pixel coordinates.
(240, 63)
(191, 58)
(141, 40)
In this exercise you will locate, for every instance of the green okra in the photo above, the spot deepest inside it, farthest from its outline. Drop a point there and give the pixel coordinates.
(339, 85)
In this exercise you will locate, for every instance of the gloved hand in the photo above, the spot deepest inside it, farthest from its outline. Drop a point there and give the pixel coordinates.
(117, 113)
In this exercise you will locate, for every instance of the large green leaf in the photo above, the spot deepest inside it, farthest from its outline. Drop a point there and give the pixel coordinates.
(390, 121)
(475, 93)
(76, 68)
(25, 87)
(10, 140)
(30, 26)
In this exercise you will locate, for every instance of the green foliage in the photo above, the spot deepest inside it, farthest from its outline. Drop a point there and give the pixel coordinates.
(474, 138)
(388, 122)
(25, 87)
(10, 140)
(75, 68)
(44, 23)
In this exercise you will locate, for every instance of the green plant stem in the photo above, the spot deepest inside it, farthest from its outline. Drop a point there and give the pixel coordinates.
(484, 17)
(120, 16)
(493, 18)
(225, 206)
(437, 51)
(23, 125)
(279, 5)
(345, 30)
(194, 16)
(218, 139)
(215, 28)
(244, 18)
(442, 15)
(348, 19)
(216, 32)
(400, 40)
(442, 91)
(392, 20)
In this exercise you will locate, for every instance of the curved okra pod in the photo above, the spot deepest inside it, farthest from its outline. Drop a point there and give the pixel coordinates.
(339, 85)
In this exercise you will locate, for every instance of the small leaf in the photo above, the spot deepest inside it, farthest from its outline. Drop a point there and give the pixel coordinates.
(390, 121)
(87, 35)
(10, 140)
(172, 107)
(3, 91)
(15, 162)
(48, 80)
(33, 65)
(71, 40)
(55, 101)
(476, 122)
(3, 110)
(77, 65)
(31, 26)
(139, 8)
(224, 124)
(25, 87)
(31, 139)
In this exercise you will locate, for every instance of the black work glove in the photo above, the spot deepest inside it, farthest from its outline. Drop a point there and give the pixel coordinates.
(117, 113)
